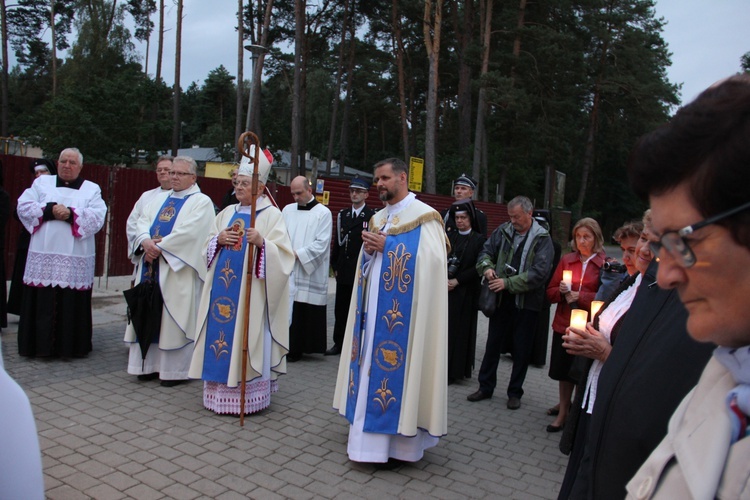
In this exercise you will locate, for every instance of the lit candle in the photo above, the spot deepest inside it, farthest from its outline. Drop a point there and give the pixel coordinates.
(595, 306)
(578, 318)
(568, 278)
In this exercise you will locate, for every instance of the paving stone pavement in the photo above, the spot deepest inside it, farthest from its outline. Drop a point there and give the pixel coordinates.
(105, 435)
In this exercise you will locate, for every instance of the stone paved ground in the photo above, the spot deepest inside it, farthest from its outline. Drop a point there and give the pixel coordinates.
(106, 435)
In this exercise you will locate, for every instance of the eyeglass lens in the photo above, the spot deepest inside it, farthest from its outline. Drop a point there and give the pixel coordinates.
(677, 247)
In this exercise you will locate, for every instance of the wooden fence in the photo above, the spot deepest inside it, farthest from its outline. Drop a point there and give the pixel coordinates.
(121, 188)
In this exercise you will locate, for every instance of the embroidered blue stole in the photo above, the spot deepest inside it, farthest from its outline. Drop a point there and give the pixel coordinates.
(223, 305)
(161, 227)
(391, 336)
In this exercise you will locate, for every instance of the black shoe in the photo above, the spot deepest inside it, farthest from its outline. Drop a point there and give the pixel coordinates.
(148, 376)
(478, 396)
(293, 358)
(554, 428)
(334, 351)
(391, 464)
(171, 383)
(514, 403)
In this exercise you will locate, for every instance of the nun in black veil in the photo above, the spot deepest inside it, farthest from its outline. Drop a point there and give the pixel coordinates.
(463, 290)
(38, 166)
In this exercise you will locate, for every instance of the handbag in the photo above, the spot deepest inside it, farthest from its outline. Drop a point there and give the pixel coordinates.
(487, 299)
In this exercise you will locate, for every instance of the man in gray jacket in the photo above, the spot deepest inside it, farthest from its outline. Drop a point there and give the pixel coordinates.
(516, 261)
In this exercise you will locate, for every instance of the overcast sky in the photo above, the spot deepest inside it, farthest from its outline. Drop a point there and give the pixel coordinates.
(706, 39)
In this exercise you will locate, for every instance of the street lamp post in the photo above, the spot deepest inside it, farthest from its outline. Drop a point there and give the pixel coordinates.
(255, 51)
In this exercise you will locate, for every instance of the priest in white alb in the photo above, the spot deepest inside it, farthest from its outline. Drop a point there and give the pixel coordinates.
(218, 355)
(170, 239)
(392, 378)
(310, 227)
(163, 177)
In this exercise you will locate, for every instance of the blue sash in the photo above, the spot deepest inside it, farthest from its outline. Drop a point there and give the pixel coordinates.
(225, 295)
(391, 335)
(161, 227)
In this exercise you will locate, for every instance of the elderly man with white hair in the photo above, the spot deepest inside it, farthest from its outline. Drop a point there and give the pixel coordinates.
(63, 213)
(235, 249)
(168, 242)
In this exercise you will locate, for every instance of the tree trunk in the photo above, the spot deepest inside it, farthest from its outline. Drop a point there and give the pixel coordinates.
(464, 34)
(479, 134)
(4, 111)
(299, 17)
(240, 61)
(588, 153)
(399, 49)
(258, 70)
(54, 47)
(517, 40)
(160, 48)
(177, 125)
(516, 54)
(337, 90)
(431, 30)
(344, 142)
(589, 150)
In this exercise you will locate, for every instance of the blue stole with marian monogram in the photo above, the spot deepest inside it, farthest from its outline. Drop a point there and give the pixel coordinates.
(225, 294)
(391, 335)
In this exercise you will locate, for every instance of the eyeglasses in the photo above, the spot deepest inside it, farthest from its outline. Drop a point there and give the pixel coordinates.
(677, 246)
(244, 184)
(181, 174)
(162, 170)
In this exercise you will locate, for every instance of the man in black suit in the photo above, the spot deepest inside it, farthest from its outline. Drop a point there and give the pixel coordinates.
(654, 363)
(463, 188)
(350, 223)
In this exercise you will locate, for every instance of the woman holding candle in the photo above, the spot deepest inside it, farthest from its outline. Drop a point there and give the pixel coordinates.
(573, 285)
(595, 342)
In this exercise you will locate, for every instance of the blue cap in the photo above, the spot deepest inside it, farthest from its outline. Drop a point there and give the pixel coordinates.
(359, 183)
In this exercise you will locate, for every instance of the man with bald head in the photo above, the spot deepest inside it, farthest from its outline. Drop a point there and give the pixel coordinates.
(309, 224)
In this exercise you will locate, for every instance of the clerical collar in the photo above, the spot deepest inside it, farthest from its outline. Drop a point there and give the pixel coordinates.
(464, 233)
(75, 184)
(183, 193)
(397, 207)
(309, 205)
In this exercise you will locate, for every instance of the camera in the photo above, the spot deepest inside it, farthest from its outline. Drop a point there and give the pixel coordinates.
(615, 267)
(453, 263)
(510, 270)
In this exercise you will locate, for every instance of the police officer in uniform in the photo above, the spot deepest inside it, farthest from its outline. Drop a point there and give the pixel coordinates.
(350, 223)
(463, 188)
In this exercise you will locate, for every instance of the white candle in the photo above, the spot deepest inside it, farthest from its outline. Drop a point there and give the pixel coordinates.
(568, 278)
(578, 318)
(595, 306)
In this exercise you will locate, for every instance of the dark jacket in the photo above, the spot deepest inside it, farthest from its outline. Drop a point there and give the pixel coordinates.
(653, 364)
(347, 241)
(529, 284)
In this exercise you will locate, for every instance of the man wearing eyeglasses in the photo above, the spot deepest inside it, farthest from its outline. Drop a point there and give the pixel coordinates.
(169, 240)
(163, 167)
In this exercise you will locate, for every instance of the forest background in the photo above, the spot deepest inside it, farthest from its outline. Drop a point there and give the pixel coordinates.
(506, 91)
